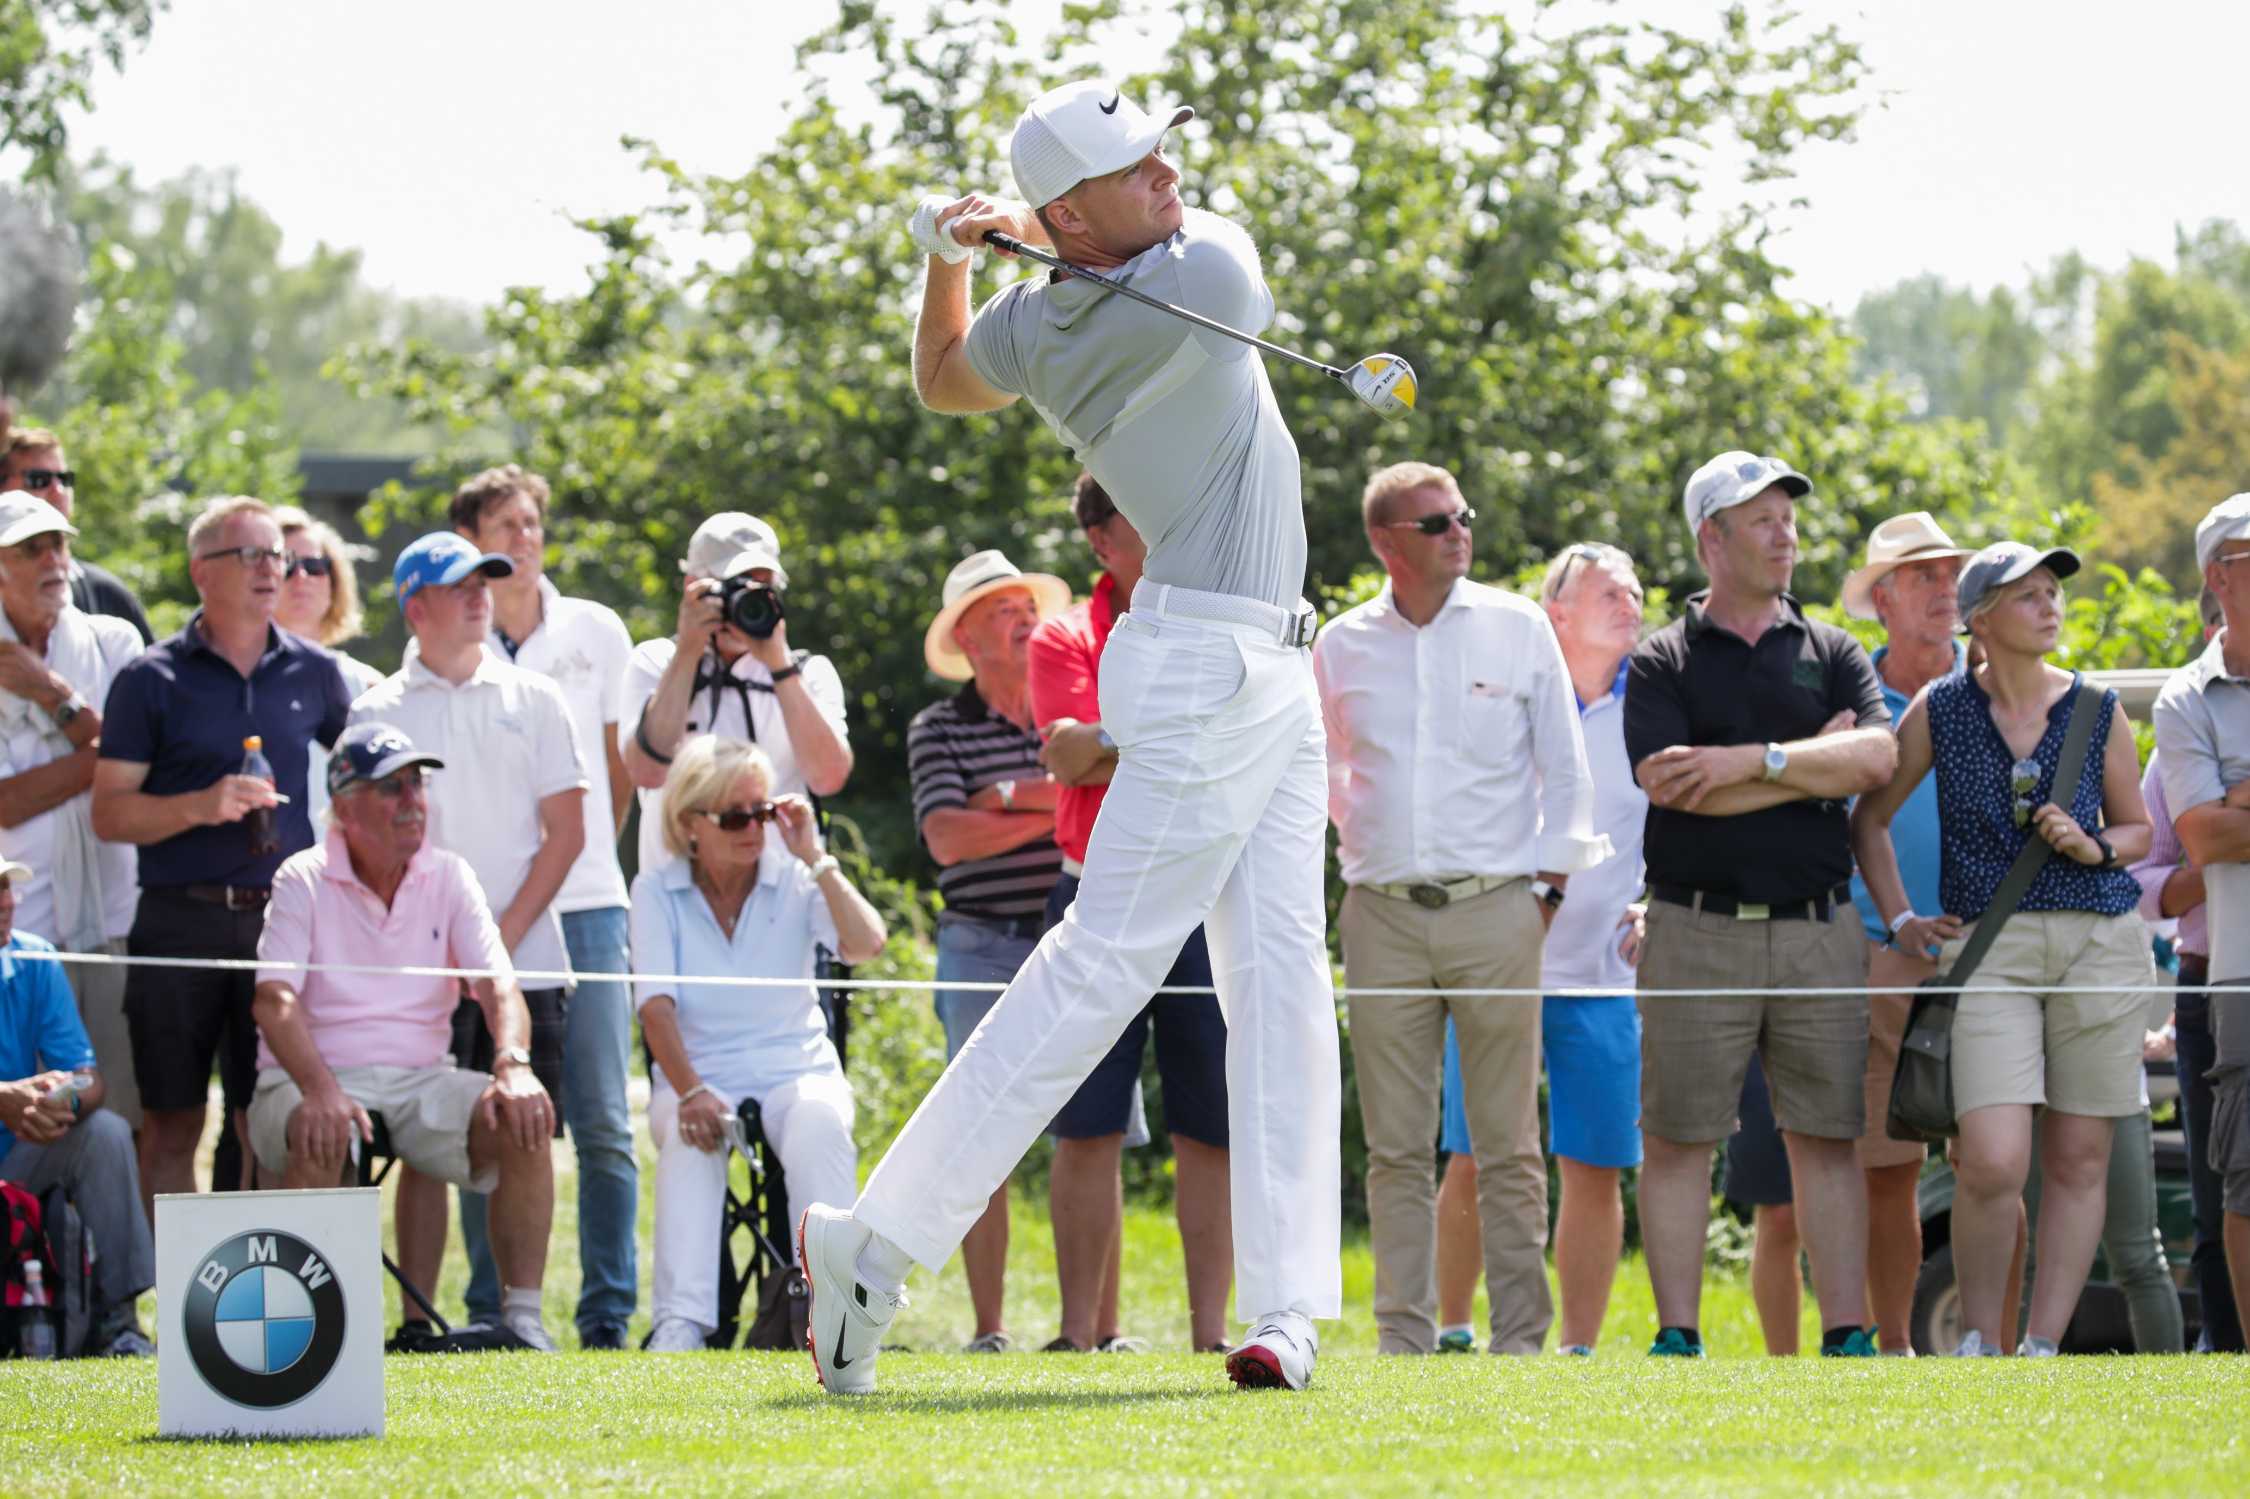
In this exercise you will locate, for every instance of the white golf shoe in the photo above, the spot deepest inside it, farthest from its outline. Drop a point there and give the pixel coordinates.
(845, 1322)
(676, 1335)
(1275, 1354)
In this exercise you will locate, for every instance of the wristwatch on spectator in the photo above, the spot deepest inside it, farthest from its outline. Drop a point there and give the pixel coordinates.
(1776, 761)
(68, 709)
(1550, 896)
(1109, 745)
(1007, 790)
(515, 1054)
(2109, 855)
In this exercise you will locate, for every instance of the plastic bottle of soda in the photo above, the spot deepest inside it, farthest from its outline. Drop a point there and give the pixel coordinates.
(261, 824)
(36, 1335)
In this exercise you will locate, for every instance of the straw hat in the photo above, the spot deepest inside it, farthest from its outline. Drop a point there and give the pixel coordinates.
(1916, 537)
(978, 577)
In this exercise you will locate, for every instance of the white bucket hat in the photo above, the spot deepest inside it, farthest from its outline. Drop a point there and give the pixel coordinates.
(972, 579)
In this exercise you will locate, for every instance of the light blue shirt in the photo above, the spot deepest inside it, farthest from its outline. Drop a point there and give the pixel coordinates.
(39, 1026)
(1914, 828)
(743, 1041)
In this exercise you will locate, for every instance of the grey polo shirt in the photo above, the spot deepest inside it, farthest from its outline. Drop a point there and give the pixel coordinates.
(1179, 424)
(2203, 738)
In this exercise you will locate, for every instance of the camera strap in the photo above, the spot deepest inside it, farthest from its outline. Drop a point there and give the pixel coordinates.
(713, 673)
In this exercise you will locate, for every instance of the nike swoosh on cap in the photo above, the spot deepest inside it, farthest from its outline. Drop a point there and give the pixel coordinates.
(1111, 107)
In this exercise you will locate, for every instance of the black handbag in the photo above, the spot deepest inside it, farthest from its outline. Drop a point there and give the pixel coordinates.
(1922, 1089)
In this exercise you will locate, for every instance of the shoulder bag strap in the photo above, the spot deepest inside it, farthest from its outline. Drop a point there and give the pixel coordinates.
(2084, 709)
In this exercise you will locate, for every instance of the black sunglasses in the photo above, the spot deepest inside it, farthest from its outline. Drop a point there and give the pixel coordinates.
(40, 478)
(311, 567)
(1436, 525)
(735, 819)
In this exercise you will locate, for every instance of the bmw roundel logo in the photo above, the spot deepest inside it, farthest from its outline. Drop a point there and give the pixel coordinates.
(264, 1319)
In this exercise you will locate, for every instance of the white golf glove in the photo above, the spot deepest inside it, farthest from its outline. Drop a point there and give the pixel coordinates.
(923, 227)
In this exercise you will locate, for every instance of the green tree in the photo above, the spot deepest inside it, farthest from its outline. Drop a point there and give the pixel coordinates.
(49, 50)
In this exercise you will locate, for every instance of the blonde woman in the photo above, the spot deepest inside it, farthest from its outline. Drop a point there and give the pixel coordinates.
(727, 904)
(320, 602)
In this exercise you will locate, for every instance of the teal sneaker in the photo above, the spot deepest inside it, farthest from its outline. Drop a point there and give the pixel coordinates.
(1457, 1340)
(1858, 1343)
(1673, 1343)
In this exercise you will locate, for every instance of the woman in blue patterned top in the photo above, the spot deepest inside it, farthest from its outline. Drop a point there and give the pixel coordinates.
(2060, 1030)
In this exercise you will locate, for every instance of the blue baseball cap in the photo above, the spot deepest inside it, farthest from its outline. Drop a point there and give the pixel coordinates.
(443, 557)
(2002, 563)
(371, 751)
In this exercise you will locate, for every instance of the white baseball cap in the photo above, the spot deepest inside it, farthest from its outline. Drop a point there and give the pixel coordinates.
(24, 515)
(1735, 477)
(1082, 130)
(731, 543)
(2229, 520)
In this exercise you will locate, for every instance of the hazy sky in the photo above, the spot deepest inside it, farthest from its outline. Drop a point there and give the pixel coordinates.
(449, 141)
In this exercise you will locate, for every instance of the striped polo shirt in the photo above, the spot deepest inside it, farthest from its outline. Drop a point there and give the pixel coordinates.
(955, 748)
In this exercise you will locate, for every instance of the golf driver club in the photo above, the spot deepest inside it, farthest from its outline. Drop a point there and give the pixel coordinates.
(1382, 382)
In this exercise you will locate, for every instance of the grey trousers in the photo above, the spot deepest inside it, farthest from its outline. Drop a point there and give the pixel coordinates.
(2131, 1241)
(95, 1161)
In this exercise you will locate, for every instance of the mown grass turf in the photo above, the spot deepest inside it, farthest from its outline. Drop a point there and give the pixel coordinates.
(738, 1423)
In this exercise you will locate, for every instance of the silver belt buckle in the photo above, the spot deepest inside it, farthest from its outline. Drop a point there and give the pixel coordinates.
(1430, 897)
(1752, 911)
(1302, 627)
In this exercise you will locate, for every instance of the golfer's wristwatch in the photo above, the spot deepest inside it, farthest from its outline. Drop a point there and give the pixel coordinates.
(1775, 762)
(515, 1054)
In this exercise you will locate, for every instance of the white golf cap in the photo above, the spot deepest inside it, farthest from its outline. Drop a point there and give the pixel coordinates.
(24, 515)
(731, 543)
(2229, 520)
(1735, 477)
(1082, 130)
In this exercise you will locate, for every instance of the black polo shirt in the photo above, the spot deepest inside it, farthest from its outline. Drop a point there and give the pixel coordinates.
(1694, 683)
(181, 709)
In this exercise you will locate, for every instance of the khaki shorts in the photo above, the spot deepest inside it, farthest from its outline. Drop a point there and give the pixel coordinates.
(2074, 1053)
(2230, 1138)
(1695, 1051)
(1892, 977)
(427, 1110)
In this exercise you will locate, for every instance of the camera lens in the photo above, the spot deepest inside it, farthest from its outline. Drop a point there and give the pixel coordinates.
(753, 608)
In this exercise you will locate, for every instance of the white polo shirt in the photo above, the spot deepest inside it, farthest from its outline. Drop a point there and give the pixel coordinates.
(507, 743)
(1581, 949)
(719, 710)
(582, 647)
(1453, 747)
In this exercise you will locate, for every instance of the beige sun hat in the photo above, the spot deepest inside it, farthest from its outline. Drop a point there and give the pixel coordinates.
(1914, 537)
(974, 578)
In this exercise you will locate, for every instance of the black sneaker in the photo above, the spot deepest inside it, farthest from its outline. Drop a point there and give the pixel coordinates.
(1061, 1345)
(602, 1337)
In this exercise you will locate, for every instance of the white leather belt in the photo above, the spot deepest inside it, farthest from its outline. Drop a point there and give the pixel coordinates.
(1285, 626)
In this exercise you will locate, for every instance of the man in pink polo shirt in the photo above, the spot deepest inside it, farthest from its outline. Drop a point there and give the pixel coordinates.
(337, 1046)
(1191, 1037)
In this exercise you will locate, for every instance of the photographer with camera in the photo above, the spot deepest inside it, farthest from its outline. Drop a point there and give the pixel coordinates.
(729, 671)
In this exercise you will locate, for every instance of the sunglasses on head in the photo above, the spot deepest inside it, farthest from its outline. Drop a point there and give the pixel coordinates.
(40, 478)
(2023, 780)
(735, 819)
(311, 567)
(1436, 525)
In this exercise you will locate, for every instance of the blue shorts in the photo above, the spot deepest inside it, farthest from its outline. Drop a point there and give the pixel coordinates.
(1593, 1051)
(1191, 1054)
(1757, 1174)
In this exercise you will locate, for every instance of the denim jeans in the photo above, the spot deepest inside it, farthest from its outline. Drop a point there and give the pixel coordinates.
(971, 950)
(2196, 1053)
(597, 1052)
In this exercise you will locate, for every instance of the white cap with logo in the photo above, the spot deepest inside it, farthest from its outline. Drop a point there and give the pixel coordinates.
(1734, 478)
(1081, 130)
(24, 515)
(731, 543)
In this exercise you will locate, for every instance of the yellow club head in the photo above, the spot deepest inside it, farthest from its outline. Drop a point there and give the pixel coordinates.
(1384, 382)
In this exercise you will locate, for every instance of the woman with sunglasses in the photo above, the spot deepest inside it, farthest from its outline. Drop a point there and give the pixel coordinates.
(2054, 1042)
(729, 905)
(320, 602)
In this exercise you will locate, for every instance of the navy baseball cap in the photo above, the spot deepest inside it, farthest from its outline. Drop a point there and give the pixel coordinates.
(2002, 563)
(371, 751)
(443, 557)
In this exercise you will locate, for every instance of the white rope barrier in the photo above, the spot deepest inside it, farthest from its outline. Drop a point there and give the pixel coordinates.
(550, 978)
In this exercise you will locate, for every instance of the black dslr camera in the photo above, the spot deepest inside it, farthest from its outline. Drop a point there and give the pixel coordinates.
(750, 606)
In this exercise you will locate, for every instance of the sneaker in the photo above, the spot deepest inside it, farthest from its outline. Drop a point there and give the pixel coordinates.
(1577, 1350)
(1858, 1343)
(1672, 1343)
(676, 1335)
(1118, 1342)
(1457, 1340)
(131, 1343)
(1276, 1354)
(989, 1342)
(1973, 1345)
(1059, 1345)
(532, 1331)
(2032, 1347)
(1222, 1347)
(602, 1337)
(846, 1318)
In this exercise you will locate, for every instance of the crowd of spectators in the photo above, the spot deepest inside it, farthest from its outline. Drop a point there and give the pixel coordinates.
(1528, 794)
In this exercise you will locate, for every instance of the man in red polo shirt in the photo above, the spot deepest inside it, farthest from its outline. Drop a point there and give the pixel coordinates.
(1191, 1035)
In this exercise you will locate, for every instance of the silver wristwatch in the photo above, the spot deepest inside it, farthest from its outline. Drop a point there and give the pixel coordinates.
(515, 1054)
(1776, 761)
(68, 709)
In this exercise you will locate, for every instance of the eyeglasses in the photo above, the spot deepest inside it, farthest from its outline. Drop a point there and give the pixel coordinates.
(1435, 525)
(735, 819)
(2023, 779)
(249, 556)
(40, 478)
(311, 567)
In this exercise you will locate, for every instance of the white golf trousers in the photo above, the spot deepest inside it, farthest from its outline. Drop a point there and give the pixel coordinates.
(1216, 815)
(808, 1122)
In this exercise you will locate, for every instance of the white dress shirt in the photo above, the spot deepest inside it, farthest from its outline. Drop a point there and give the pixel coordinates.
(1453, 747)
(507, 743)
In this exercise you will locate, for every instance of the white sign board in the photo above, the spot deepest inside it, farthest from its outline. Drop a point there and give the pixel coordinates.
(270, 1314)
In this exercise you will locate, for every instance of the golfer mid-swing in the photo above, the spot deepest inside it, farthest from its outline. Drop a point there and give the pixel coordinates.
(1216, 812)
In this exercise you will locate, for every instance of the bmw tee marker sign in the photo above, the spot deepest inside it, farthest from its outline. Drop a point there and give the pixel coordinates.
(271, 1313)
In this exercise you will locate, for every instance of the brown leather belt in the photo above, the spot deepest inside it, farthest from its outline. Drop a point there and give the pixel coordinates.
(233, 897)
(1817, 908)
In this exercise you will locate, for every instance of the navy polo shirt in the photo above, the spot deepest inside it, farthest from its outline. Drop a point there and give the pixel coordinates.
(182, 710)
